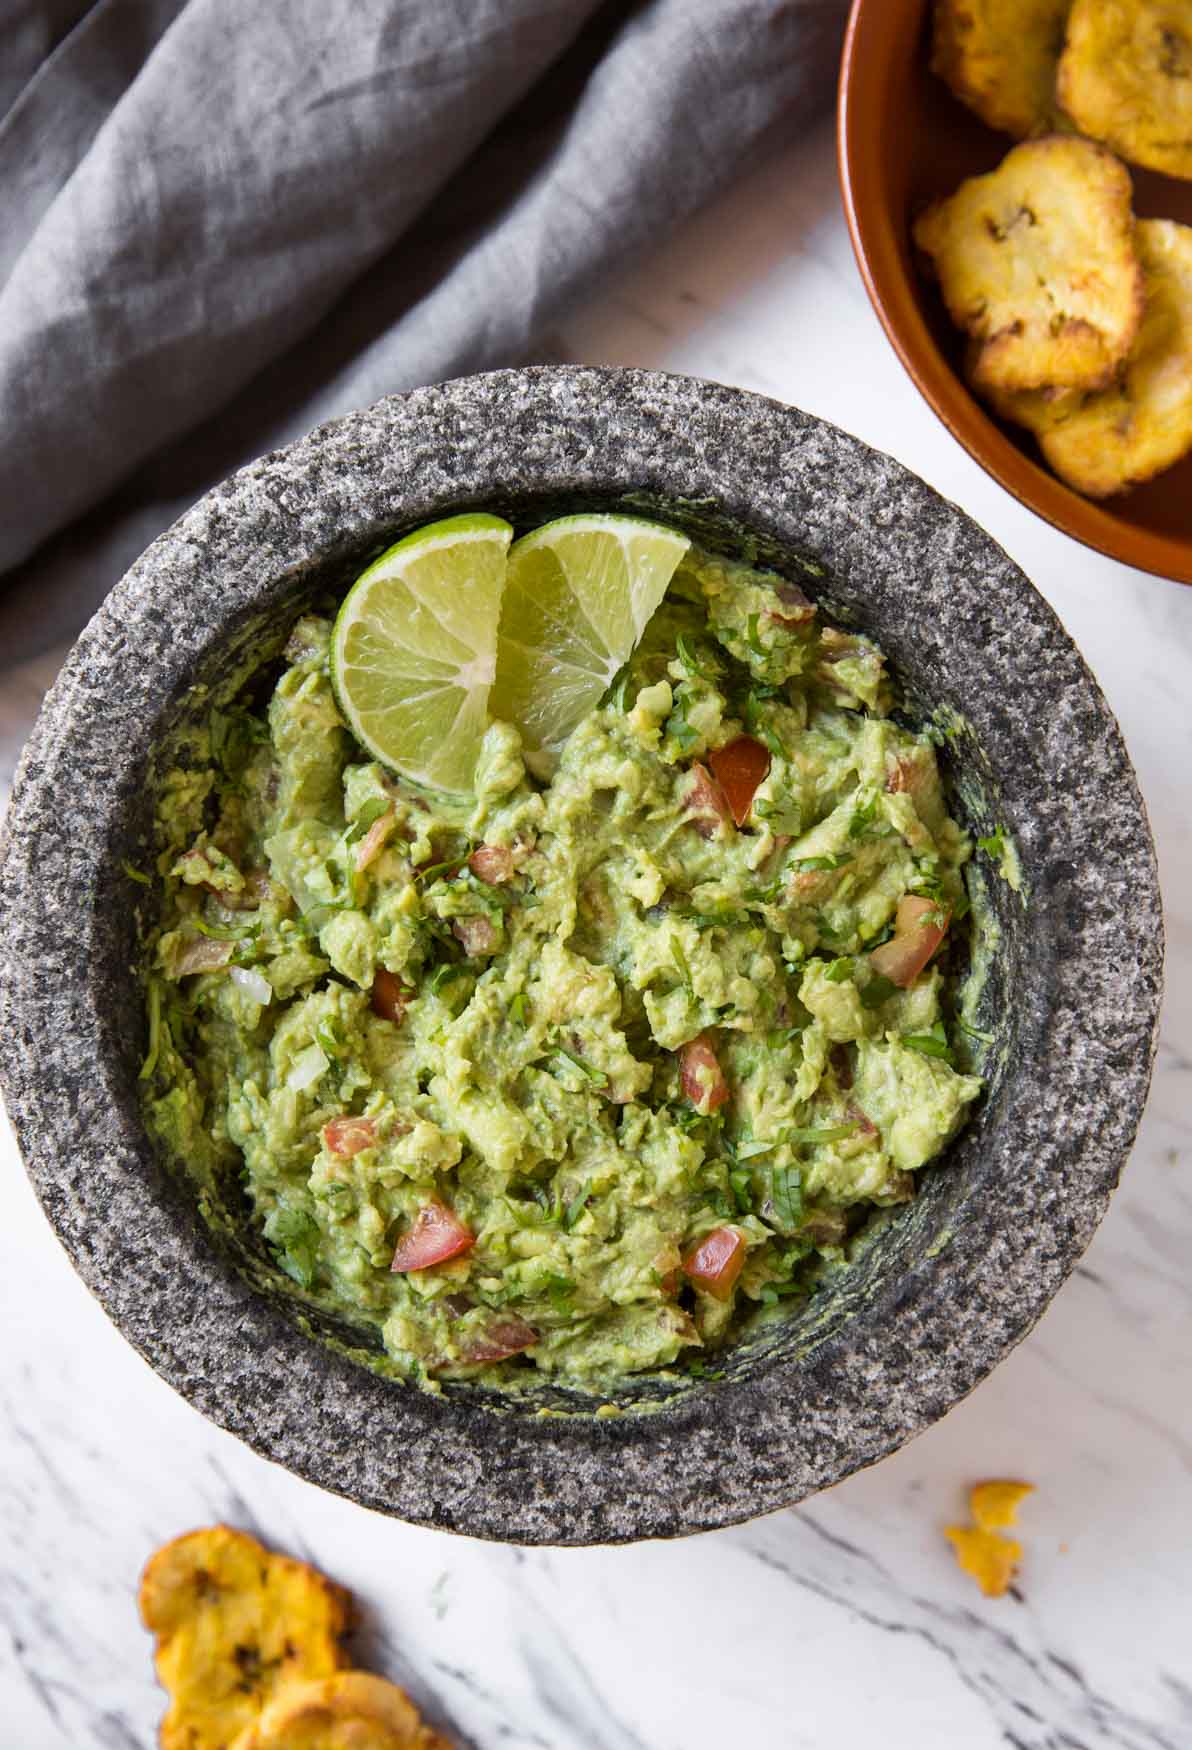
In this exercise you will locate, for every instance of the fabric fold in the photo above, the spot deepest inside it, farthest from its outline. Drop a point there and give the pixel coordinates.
(175, 321)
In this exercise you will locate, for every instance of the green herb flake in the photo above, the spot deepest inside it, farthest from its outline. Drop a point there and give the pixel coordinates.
(933, 1044)
(862, 818)
(995, 844)
(577, 1205)
(443, 975)
(688, 658)
(741, 1184)
(807, 865)
(296, 1236)
(153, 1004)
(878, 991)
(680, 731)
(684, 966)
(596, 1076)
(839, 971)
(786, 1198)
(752, 637)
(368, 816)
(136, 875)
(519, 1009)
(230, 933)
(748, 1151)
(820, 1134)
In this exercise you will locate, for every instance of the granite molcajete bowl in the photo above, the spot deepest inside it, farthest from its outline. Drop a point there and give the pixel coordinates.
(952, 1284)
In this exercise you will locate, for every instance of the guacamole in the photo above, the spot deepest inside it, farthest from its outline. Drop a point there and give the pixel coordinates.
(581, 1075)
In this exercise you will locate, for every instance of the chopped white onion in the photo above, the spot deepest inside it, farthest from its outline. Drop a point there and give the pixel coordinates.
(306, 1068)
(252, 983)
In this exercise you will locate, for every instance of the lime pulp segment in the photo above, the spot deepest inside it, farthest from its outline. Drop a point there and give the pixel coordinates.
(578, 595)
(413, 652)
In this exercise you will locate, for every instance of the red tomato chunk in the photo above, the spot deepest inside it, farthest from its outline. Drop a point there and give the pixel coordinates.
(920, 925)
(701, 1075)
(436, 1235)
(739, 768)
(504, 1337)
(388, 998)
(492, 864)
(346, 1137)
(715, 1263)
(706, 803)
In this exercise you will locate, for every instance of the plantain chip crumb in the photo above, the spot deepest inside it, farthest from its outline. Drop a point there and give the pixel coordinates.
(982, 1552)
(994, 1505)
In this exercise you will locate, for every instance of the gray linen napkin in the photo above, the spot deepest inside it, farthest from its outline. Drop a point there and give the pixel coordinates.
(223, 222)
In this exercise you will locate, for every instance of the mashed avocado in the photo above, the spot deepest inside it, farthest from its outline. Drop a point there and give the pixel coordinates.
(576, 1076)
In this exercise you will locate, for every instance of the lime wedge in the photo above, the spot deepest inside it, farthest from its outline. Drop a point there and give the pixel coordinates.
(413, 652)
(578, 595)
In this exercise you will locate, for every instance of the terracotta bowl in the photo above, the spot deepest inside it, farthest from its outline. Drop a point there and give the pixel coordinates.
(904, 140)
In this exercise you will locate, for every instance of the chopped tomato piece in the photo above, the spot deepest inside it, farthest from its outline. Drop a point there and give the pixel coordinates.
(797, 610)
(739, 768)
(389, 999)
(478, 935)
(900, 777)
(492, 864)
(345, 1137)
(862, 1120)
(371, 845)
(203, 954)
(920, 925)
(504, 1337)
(715, 1263)
(701, 1075)
(436, 1235)
(706, 803)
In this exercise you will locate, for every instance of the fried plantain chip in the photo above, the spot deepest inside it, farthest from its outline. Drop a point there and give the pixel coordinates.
(1125, 77)
(1000, 57)
(990, 1558)
(351, 1711)
(1037, 262)
(1115, 439)
(234, 1623)
(994, 1505)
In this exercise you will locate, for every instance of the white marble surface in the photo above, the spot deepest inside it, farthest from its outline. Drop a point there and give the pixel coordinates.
(839, 1624)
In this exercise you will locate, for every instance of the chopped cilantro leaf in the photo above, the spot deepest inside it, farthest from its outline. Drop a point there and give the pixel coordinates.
(820, 1133)
(995, 844)
(933, 1044)
(838, 971)
(877, 991)
(577, 1205)
(837, 860)
(688, 658)
(596, 1076)
(786, 1198)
